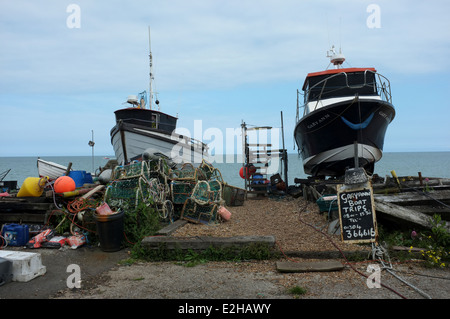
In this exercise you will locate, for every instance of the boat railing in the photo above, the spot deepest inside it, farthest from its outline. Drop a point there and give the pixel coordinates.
(197, 144)
(381, 87)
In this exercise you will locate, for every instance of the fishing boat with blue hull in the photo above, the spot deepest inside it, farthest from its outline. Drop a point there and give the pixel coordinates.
(346, 113)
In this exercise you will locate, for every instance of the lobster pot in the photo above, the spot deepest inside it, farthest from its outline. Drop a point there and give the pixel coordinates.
(233, 196)
(199, 214)
(207, 168)
(158, 166)
(133, 189)
(131, 171)
(215, 189)
(181, 191)
(192, 175)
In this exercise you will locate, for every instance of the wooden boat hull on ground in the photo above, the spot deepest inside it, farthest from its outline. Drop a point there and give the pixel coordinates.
(50, 169)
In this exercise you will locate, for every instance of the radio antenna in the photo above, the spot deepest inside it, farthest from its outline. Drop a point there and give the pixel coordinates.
(151, 70)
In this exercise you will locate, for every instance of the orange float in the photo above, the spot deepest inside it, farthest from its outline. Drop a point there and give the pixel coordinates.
(64, 184)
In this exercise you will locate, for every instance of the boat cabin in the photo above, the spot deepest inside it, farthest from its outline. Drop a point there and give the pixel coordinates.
(139, 115)
(147, 118)
(343, 83)
(340, 83)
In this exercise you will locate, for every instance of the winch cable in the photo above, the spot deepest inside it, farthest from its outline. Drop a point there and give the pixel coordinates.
(381, 254)
(341, 252)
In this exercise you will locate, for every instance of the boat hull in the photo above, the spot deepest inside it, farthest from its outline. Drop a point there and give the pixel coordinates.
(50, 169)
(131, 141)
(326, 137)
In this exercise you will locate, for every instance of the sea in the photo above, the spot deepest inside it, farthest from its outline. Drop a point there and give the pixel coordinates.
(429, 164)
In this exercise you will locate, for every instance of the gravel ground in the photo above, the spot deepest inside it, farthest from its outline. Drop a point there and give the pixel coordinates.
(289, 221)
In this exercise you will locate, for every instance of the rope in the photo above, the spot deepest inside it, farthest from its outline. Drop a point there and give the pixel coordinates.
(378, 252)
(343, 255)
(79, 205)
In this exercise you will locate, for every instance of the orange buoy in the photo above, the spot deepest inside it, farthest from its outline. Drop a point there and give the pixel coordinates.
(249, 171)
(64, 184)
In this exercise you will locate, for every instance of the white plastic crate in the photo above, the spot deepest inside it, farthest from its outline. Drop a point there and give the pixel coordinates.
(26, 266)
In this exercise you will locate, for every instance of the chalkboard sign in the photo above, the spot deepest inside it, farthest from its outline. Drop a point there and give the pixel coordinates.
(357, 214)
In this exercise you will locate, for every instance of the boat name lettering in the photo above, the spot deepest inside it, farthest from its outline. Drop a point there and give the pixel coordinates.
(323, 118)
(386, 117)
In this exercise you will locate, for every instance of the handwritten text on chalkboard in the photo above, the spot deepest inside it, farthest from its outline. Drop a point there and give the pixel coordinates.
(357, 216)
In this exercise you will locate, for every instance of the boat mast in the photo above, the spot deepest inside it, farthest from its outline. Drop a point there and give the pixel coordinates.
(151, 70)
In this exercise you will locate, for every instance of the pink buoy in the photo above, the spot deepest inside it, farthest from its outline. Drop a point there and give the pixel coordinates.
(224, 213)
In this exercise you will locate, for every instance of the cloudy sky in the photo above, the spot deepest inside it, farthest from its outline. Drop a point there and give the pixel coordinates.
(65, 69)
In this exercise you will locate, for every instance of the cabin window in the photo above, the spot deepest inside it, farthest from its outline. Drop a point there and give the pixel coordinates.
(154, 120)
(339, 85)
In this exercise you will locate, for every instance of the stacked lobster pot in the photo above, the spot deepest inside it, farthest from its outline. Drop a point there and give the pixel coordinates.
(141, 182)
(199, 191)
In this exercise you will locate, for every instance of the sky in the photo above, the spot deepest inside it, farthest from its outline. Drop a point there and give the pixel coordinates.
(66, 66)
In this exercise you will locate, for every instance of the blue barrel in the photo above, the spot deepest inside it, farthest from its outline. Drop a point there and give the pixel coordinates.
(16, 235)
(78, 177)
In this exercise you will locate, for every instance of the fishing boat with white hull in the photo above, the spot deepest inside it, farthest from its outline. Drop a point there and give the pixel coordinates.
(141, 131)
(345, 117)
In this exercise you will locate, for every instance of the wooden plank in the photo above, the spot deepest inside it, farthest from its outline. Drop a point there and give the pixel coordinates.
(202, 243)
(24, 206)
(404, 213)
(314, 266)
(169, 229)
(415, 198)
(258, 145)
(23, 218)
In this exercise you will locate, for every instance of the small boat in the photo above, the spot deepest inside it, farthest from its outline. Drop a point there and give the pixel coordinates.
(345, 117)
(140, 130)
(50, 169)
